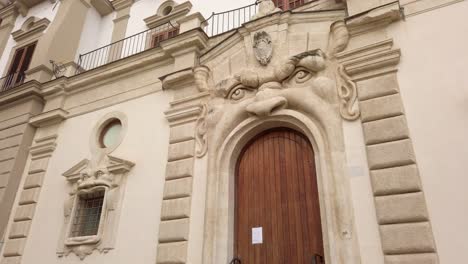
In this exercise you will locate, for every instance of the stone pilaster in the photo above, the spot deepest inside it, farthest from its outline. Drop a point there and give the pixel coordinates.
(175, 213)
(403, 219)
(8, 15)
(16, 136)
(120, 26)
(40, 153)
(61, 40)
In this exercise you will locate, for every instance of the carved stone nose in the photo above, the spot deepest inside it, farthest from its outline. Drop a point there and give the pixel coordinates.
(267, 106)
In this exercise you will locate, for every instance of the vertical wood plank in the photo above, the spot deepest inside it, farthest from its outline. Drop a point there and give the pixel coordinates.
(276, 189)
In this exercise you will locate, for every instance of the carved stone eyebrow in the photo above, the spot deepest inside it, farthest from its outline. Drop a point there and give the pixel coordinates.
(224, 87)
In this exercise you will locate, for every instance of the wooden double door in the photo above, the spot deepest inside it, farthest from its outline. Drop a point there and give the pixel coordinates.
(277, 213)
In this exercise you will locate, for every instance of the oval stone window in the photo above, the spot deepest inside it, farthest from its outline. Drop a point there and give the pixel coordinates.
(110, 135)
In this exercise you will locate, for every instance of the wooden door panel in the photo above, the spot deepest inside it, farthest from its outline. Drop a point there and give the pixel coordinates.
(276, 189)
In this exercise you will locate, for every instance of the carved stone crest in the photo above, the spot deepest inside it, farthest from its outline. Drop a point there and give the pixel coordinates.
(263, 48)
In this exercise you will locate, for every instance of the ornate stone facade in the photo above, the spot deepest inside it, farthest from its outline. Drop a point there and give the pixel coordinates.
(334, 71)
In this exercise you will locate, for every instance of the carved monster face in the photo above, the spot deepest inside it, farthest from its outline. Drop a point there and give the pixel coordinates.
(299, 83)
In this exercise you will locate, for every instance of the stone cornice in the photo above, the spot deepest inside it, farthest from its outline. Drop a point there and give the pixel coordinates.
(178, 12)
(374, 18)
(193, 39)
(121, 4)
(104, 7)
(31, 3)
(30, 89)
(181, 115)
(49, 118)
(37, 28)
(9, 10)
(178, 79)
(371, 60)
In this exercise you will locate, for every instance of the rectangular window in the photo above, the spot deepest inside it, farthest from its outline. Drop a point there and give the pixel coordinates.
(158, 37)
(19, 65)
(88, 214)
(288, 4)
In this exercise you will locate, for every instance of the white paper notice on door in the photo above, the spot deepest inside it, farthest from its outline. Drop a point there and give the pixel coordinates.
(257, 235)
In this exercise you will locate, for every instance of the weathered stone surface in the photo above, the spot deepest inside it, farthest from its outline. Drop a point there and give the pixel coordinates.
(34, 180)
(175, 208)
(407, 238)
(179, 169)
(378, 86)
(25, 212)
(178, 188)
(4, 179)
(29, 196)
(174, 230)
(396, 153)
(385, 130)
(2, 193)
(20, 229)
(14, 247)
(396, 180)
(39, 165)
(172, 253)
(401, 208)
(182, 132)
(8, 153)
(428, 258)
(10, 142)
(182, 150)
(11, 260)
(5, 166)
(381, 107)
(12, 131)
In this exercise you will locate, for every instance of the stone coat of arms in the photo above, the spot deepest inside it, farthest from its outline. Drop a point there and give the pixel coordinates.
(263, 48)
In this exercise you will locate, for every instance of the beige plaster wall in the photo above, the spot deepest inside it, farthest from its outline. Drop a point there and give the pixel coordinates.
(145, 144)
(363, 200)
(434, 88)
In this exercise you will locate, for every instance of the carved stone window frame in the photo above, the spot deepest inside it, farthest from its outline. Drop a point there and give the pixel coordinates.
(94, 143)
(31, 31)
(178, 11)
(93, 239)
(102, 172)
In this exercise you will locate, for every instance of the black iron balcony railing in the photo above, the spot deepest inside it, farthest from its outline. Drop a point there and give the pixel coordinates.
(219, 23)
(126, 47)
(11, 80)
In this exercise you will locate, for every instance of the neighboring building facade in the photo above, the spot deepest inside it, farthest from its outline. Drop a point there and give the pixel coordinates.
(150, 131)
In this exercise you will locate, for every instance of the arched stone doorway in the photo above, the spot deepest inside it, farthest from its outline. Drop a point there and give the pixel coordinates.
(277, 211)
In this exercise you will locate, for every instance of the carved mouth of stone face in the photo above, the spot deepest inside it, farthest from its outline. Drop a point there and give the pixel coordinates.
(93, 183)
(268, 106)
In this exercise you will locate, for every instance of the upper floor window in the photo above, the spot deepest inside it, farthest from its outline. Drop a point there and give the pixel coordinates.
(288, 4)
(19, 65)
(158, 37)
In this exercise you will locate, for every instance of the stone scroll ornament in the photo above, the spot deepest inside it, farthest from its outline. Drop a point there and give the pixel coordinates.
(347, 90)
(201, 136)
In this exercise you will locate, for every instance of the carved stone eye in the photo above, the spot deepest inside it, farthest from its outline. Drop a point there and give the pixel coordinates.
(239, 93)
(301, 75)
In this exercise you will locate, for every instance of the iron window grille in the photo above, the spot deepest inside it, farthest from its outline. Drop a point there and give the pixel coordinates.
(88, 214)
